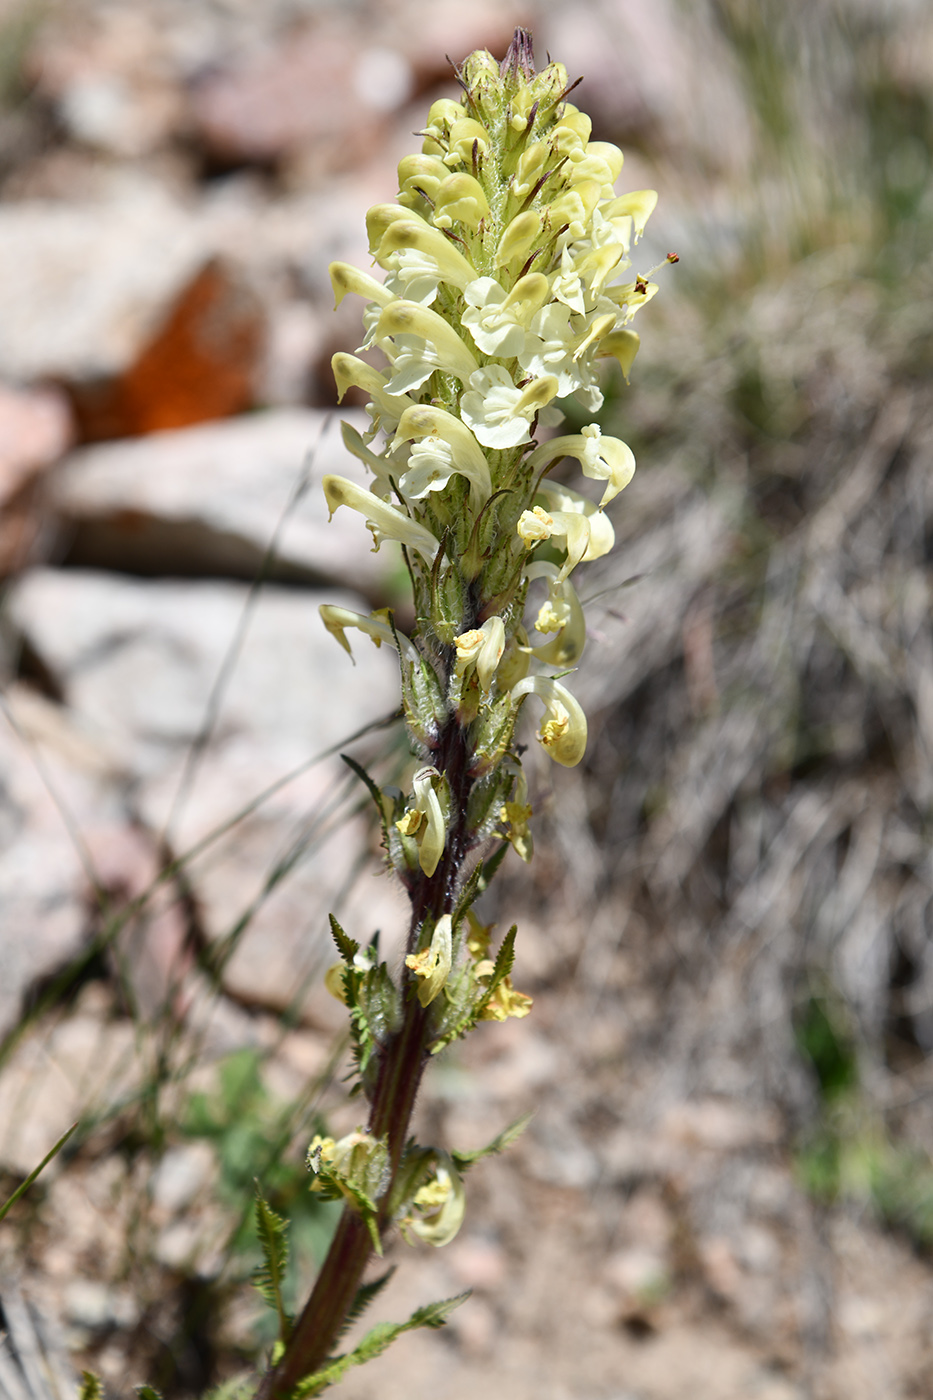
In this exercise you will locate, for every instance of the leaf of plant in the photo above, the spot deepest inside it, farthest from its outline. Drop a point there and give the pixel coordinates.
(347, 947)
(488, 868)
(468, 895)
(92, 1387)
(238, 1388)
(146, 1392)
(24, 1187)
(504, 958)
(375, 1342)
(365, 1295)
(463, 1160)
(268, 1277)
(371, 788)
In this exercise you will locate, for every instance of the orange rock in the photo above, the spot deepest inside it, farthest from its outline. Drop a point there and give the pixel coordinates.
(200, 364)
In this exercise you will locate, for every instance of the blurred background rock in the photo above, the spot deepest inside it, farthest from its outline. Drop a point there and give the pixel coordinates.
(727, 929)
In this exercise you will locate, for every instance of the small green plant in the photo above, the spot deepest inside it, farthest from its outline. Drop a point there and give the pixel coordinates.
(243, 1122)
(850, 1155)
(508, 277)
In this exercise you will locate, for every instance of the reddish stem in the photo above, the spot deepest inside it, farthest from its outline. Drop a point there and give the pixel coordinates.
(401, 1064)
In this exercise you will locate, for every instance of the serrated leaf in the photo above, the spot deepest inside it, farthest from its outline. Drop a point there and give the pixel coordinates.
(436, 1314)
(371, 787)
(505, 958)
(472, 1014)
(92, 1387)
(365, 1295)
(146, 1392)
(347, 947)
(468, 895)
(374, 1343)
(269, 1276)
(463, 1160)
(489, 867)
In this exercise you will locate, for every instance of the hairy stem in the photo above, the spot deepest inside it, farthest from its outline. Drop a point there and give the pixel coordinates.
(402, 1061)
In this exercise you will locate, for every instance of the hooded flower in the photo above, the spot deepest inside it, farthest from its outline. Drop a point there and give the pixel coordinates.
(424, 820)
(563, 731)
(432, 965)
(438, 1207)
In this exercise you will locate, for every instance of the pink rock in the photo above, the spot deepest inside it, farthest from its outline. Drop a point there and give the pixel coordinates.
(35, 430)
(312, 89)
(47, 916)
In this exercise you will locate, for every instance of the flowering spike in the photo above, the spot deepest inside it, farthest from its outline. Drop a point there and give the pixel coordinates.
(508, 277)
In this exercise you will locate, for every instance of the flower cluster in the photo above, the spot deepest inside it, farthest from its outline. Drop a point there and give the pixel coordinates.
(507, 261)
(507, 279)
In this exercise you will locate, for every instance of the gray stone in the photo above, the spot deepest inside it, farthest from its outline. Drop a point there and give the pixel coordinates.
(181, 1175)
(81, 1066)
(82, 287)
(207, 501)
(137, 661)
(51, 773)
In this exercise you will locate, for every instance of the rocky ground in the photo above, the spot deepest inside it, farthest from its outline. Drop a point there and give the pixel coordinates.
(727, 1186)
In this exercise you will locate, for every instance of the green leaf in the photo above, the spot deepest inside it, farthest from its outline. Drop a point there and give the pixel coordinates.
(92, 1387)
(365, 1295)
(478, 882)
(238, 1388)
(461, 1019)
(371, 787)
(375, 1343)
(347, 947)
(505, 958)
(489, 867)
(22, 1189)
(463, 1160)
(374, 1003)
(269, 1276)
(146, 1392)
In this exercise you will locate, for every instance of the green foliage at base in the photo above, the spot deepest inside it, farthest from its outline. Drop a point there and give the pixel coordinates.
(243, 1123)
(850, 1156)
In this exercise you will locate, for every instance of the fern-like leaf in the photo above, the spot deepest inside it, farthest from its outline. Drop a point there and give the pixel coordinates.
(269, 1276)
(463, 1160)
(92, 1387)
(372, 789)
(375, 1342)
(365, 1295)
(504, 958)
(347, 947)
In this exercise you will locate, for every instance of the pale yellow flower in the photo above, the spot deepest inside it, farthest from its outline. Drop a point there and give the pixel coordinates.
(384, 520)
(481, 647)
(438, 1207)
(425, 820)
(563, 733)
(432, 965)
(505, 1002)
